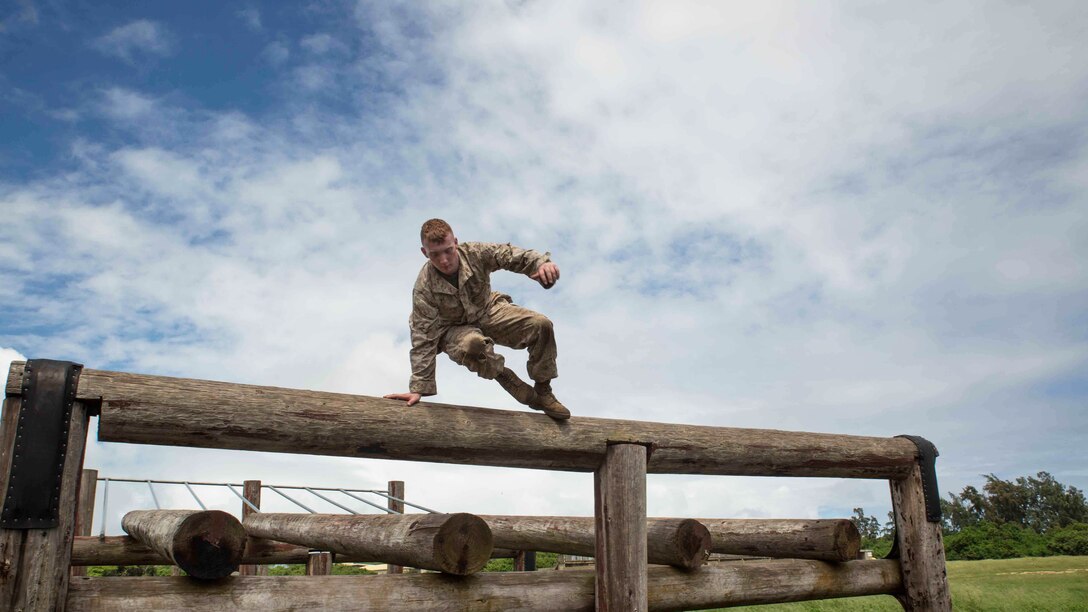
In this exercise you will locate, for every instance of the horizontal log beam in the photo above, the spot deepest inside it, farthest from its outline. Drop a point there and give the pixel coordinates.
(452, 543)
(145, 409)
(818, 539)
(735, 584)
(127, 550)
(683, 543)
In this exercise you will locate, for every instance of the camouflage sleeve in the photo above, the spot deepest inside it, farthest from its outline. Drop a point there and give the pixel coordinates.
(512, 258)
(425, 337)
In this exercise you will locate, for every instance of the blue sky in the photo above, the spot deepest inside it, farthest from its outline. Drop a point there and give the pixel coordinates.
(856, 219)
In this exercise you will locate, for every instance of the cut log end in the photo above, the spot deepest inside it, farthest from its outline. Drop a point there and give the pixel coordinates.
(847, 540)
(463, 544)
(693, 544)
(209, 545)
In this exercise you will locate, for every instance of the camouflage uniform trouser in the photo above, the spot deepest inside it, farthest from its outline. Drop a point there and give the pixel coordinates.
(473, 346)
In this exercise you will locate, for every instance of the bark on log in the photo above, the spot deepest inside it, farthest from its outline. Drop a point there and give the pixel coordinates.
(748, 583)
(126, 550)
(925, 580)
(818, 539)
(206, 544)
(683, 543)
(452, 543)
(619, 492)
(181, 412)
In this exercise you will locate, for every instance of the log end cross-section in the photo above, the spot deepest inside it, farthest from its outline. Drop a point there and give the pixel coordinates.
(206, 544)
(462, 544)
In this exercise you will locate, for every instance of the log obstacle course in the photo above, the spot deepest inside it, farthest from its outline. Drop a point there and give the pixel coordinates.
(171, 411)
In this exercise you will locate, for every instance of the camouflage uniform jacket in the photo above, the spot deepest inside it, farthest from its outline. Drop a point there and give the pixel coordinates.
(437, 305)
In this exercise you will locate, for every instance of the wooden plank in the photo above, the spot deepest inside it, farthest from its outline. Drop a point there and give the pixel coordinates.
(319, 563)
(921, 548)
(683, 543)
(146, 409)
(619, 488)
(36, 562)
(733, 584)
(452, 543)
(819, 539)
(207, 544)
(88, 483)
(395, 489)
(251, 491)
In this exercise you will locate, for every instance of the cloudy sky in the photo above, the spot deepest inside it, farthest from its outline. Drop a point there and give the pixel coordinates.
(837, 217)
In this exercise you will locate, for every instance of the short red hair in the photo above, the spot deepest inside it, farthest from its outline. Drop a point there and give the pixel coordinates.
(434, 230)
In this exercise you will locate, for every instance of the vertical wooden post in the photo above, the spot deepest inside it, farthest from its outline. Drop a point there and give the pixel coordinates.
(921, 548)
(319, 563)
(396, 489)
(251, 490)
(620, 511)
(34, 563)
(519, 560)
(88, 483)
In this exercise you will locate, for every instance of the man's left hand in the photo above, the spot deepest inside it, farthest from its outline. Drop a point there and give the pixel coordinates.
(547, 274)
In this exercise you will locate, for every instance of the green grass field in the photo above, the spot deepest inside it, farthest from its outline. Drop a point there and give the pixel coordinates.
(1020, 585)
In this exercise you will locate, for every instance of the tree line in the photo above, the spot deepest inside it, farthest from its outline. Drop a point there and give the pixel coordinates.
(1031, 516)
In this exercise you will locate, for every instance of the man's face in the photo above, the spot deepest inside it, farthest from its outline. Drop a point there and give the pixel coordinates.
(443, 255)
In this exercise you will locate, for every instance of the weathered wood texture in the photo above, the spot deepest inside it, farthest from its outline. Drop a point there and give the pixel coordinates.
(319, 563)
(452, 543)
(181, 412)
(819, 539)
(251, 491)
(207, 544)
(683, 543)
(34, 563)
(619, 493)
(126, 550)
(395, 489)
(88, 484)
(925, 581)
(751, 582)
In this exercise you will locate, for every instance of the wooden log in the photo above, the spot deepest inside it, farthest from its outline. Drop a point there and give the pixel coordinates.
(251, 491)
(819, 539)
(452, 543)
(396, 489)
(207, 544)
(683, 543)
(319, 563)
(619, 494)
(738, 584)
(34, 563)
(925, 581)
(181, 412)
(126, 550)
(88, 483)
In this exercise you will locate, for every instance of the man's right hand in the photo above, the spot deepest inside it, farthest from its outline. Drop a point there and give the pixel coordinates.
(411, 398)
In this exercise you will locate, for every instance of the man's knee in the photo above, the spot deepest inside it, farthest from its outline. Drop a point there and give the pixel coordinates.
(474, 346)
(542, 324)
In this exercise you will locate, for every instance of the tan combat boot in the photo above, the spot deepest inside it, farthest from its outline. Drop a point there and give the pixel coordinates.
(545, 400)
(516, 387)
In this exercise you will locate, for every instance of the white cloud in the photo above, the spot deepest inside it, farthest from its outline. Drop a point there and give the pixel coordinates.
(251, 16)
(276, 53)
(126, 105)
(322, 43)
(135, 39)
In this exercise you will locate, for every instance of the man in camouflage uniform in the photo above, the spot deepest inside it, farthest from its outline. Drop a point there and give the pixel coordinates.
(454, 311)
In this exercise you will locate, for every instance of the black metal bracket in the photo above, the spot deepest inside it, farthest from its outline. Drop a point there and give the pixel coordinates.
(41, 442)
(927, 460)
